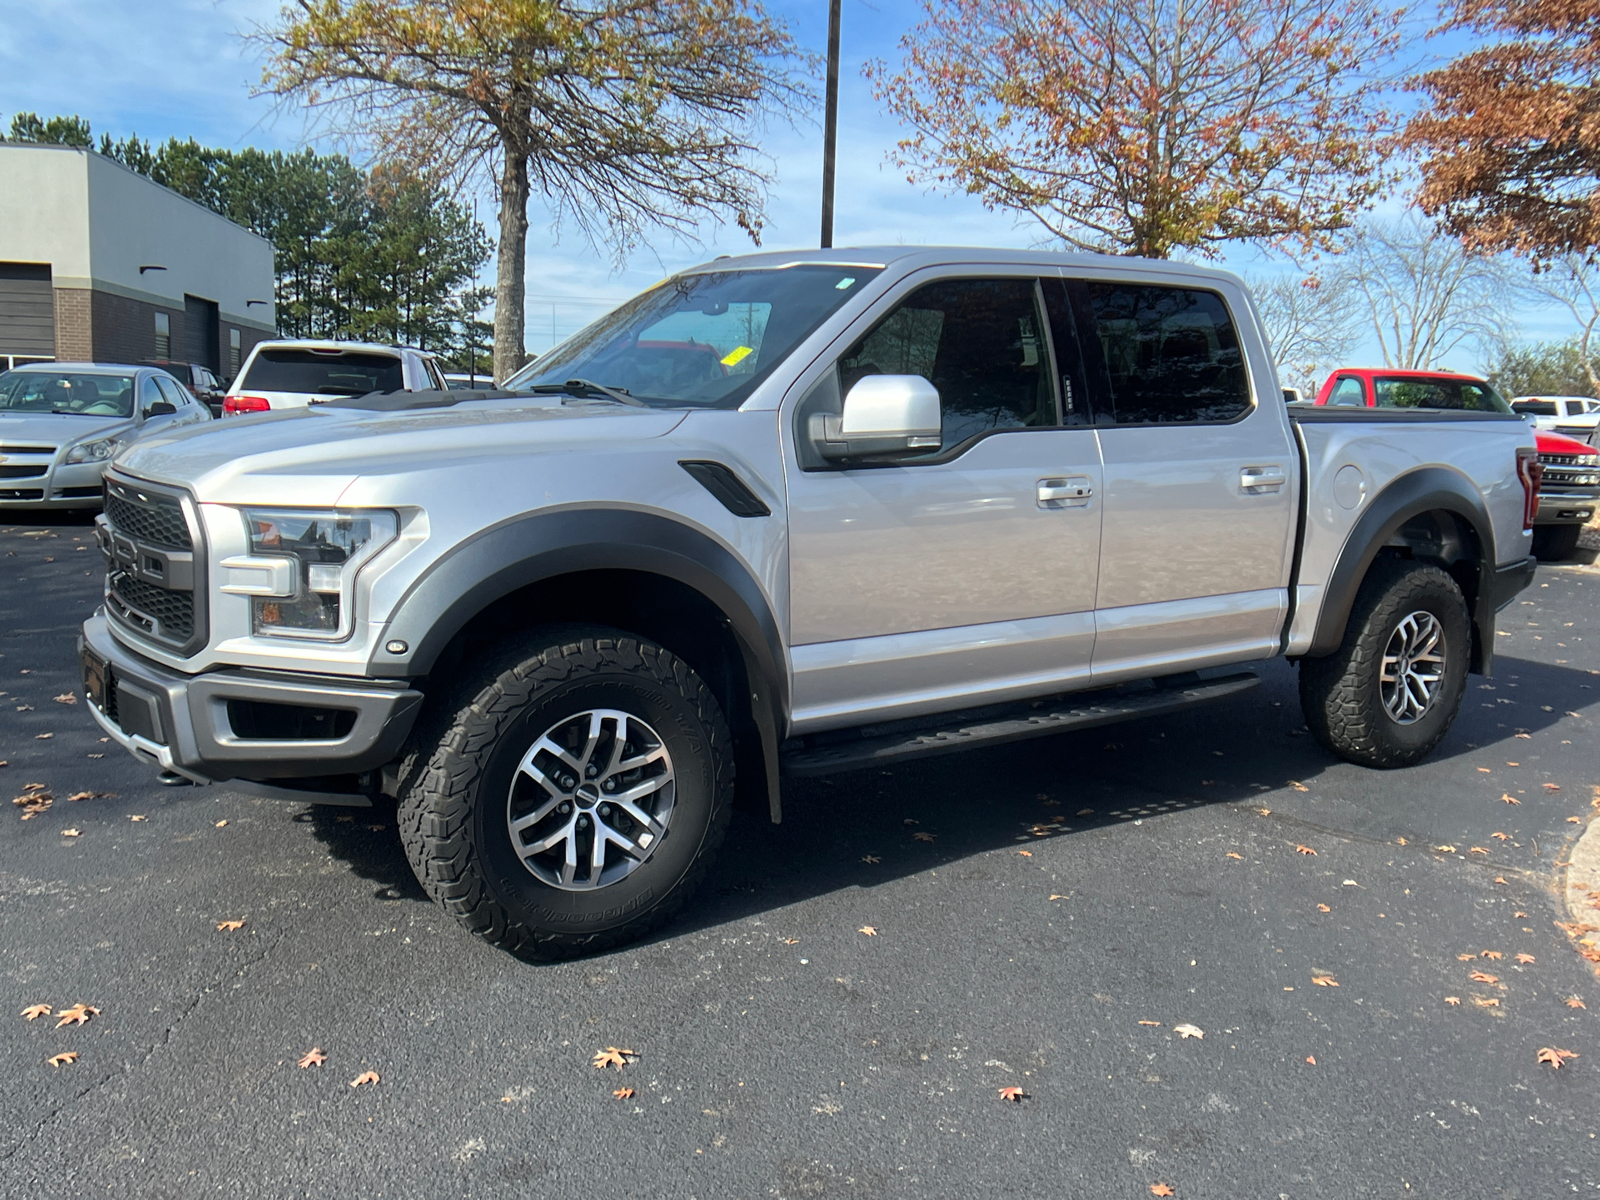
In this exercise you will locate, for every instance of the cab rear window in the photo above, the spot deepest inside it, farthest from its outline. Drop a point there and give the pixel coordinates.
(324, 373)
(1457, 395)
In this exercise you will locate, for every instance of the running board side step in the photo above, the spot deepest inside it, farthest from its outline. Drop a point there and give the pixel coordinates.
(878, 745)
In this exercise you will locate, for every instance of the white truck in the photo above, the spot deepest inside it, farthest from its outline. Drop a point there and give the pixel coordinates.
(786, 514)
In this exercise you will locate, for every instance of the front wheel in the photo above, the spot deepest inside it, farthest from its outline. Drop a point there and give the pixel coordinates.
(575, 803)
(1391, 691)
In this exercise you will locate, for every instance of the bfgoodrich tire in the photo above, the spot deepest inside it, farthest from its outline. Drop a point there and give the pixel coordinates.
(1391, 691)
(576, 801)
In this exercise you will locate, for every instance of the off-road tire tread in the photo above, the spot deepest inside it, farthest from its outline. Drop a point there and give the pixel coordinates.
(435, 805)
(1343, 719)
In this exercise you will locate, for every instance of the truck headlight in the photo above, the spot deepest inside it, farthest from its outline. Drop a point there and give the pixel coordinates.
(317, 554)
(99, 450)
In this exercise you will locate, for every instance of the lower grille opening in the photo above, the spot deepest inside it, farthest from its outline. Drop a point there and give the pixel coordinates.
(266, 721)
(21, 493)
(78, 493)
(174, 611)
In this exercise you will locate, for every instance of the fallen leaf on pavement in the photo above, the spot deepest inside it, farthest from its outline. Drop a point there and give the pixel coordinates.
(1312, 1059)
(1452, 1000)
(1512, 764)
(1323, 908)
(1574, 1002)
(92, 796)
(1493, 954)
(1525, 958)
(1509, 798)
(66, 1056)
(229, 925)
(1025, 853)
(1484, 977)
(871, 858)
(66, 698)
(869, 930)
(1504, 837)
(1057, 897)
(314, 1057)
(34, 1011)
(791, 941)
(1486, 1001)
(1298, 786)
(1014, 1094)
(137, 817)
(1324, 981)
(364, 1077)
(1519, 914)
(923, 837)
(1306, 850)
(1465, 957)
(1478, 850)
(43, 737)
(623, 1093)
(1552, 787)
(1161, 1189)
(220, 824)
(1086, 812)
(1574, 820)
(78, 1014)
(1555, 1057)
(612, 1057)
(1446, 849)
(1231, 854)
(1150, 1022)
(1189, 1031)
(1501, 879)
(910, 821)
(1483, 770)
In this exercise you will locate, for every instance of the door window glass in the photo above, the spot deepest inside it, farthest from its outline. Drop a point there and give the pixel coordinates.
(172, 392)
(979, 342)
(149, 393)
(1349, 392)
(1171, 354)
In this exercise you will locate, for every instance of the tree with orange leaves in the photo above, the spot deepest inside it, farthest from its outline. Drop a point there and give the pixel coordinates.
(1512, 133)
(1150, 126)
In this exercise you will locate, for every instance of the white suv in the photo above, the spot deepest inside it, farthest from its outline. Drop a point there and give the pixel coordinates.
(295, 373)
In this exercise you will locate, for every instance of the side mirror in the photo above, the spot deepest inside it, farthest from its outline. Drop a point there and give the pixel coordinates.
(160, 408)
(885, 416)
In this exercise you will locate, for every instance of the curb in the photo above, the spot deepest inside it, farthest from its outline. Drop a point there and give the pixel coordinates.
(1583, 878)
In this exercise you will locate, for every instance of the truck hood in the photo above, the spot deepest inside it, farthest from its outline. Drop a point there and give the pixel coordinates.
(55, 429)
(311, 456)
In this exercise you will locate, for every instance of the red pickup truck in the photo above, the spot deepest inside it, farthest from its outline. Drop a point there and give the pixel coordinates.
(1569, 488)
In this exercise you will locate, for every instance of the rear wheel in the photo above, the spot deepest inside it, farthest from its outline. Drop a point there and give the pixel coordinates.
(1391, 691)
(1553, 543)
(575, 803)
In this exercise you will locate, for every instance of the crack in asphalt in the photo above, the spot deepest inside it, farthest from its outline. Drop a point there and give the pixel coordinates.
(166, 1038)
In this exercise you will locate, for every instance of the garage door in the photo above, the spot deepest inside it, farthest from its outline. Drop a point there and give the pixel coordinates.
(27, 310)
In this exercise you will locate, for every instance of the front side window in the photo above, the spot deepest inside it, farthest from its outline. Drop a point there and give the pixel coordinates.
(324, 372)
(1172, 354)
(172, 391)
(1449, 394)
(67, 392)
(1348, 392)
(702, 341)
(980, 342)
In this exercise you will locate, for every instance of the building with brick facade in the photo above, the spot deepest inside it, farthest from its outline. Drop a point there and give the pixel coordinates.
(100, 264)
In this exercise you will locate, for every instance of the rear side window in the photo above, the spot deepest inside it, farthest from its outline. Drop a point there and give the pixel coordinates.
(1348, 392)
(1450, 394)
(345, 373)
(1172, 354)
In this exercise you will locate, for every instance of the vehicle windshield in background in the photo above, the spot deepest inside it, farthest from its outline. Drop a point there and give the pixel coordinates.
(1461, 395)
(324, 373)
(704, 340)
(82, 395)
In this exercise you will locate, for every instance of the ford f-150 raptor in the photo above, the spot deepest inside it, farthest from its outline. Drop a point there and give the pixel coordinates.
(790, 513)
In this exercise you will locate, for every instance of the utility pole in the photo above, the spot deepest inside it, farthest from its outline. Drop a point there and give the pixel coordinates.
(830, 125)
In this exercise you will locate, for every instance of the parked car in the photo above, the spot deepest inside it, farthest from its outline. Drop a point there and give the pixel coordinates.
(60, 424)
(910, 500)
(1381, 387)
(202, 384)
(1575, 416)
(1569, 489)
(295, 373)
(458, 381)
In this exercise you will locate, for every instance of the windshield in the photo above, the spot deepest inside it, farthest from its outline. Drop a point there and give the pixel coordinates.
(324, 372)
(80, 394)
(702, 340)
(1463, 395)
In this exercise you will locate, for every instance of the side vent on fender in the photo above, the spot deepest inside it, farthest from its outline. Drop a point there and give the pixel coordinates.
(731, 491)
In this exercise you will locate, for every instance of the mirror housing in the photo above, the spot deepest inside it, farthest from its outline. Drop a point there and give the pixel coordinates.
(885, 416)
(161, 408)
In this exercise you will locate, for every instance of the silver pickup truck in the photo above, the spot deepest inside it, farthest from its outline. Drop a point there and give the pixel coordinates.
(794, 513)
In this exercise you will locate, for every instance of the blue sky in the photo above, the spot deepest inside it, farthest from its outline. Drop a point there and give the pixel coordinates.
(180, 68)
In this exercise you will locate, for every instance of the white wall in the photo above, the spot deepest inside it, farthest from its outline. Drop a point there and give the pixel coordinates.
(97, 223)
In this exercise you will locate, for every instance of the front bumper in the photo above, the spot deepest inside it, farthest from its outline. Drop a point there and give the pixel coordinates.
(1566, 508)
(58, 485)
(186, 723)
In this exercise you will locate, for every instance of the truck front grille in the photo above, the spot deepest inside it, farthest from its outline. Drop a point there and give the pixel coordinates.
(155, 582)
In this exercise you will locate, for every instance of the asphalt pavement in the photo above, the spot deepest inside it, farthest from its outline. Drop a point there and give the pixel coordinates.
(1076, 901)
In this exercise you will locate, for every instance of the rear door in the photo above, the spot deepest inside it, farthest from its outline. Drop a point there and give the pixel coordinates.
(1201, 480)
(966, 573)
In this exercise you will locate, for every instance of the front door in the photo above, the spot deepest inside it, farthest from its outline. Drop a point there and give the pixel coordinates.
(968, 573)
(1200, 484)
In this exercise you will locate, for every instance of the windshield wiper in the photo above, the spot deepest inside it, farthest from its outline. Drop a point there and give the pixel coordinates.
(583, 389)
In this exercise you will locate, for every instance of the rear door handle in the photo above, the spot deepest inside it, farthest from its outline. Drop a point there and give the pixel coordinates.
(1074, 491)
(1261, 480)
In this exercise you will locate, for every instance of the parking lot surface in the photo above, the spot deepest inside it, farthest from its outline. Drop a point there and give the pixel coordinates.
(1047, 916)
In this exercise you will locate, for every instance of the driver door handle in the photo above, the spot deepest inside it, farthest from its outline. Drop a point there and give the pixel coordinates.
(1261, 480)
(1073, 491)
